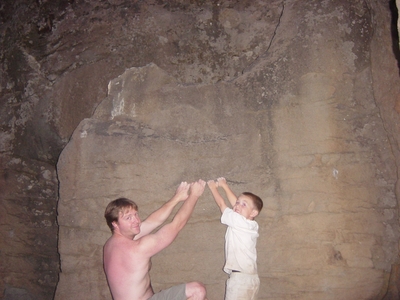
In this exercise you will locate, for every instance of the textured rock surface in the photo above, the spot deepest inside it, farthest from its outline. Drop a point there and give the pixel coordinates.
(319, 81)
(325, 226)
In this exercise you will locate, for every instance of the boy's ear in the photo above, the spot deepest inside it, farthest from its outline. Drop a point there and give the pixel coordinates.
(254, 213)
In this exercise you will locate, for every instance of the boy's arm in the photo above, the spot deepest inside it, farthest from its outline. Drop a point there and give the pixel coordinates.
(159, 216)
(217, 197)
(231, 196)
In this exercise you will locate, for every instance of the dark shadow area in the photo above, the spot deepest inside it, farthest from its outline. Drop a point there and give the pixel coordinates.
(394, 31)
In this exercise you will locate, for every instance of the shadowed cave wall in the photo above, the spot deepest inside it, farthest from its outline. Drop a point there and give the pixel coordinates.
(295, 101)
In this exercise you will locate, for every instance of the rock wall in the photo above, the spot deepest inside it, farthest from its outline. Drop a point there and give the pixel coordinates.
(296, 100)
(318, 155)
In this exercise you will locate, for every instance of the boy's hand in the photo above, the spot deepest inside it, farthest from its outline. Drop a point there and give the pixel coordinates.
(212, 184)
(221, 181)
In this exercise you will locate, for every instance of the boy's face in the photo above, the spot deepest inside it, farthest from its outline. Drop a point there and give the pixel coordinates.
(244, 206)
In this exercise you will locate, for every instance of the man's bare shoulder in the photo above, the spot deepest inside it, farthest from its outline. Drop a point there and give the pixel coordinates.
(121, 244)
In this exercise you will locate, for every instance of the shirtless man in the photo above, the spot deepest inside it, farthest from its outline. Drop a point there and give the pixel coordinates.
(128, 251)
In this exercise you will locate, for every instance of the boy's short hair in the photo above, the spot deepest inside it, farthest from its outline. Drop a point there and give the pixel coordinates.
(114, 208)
(257, 201)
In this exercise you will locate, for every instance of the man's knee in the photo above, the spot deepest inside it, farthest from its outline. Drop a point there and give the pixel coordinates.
(196, 289)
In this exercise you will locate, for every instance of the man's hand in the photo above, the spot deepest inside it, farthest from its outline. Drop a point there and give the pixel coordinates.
(181, 193)
(197, 187)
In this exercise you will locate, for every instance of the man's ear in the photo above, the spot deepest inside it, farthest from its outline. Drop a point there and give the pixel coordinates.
(114, 224)
(254, 213)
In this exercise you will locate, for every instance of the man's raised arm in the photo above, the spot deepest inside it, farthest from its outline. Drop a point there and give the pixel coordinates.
(159, 216)
(155, 242)
(184, 213)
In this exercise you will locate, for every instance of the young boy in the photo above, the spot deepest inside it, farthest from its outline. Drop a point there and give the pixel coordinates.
(240, 240)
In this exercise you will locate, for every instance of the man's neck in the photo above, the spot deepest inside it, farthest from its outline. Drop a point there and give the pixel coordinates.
(119, 234)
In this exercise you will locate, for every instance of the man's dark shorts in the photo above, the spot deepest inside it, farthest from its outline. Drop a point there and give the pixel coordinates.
(176, 292)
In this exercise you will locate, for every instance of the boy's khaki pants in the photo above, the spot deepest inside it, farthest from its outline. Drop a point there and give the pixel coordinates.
(242, 286)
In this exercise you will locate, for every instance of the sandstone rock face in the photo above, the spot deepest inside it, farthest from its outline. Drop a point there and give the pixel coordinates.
(329, 222)
(295, 100)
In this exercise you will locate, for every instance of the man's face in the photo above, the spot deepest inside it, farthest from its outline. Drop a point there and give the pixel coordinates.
(244, 206)
(128, 223)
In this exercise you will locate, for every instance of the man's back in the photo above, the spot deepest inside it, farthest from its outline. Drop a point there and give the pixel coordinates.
(127, 269)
